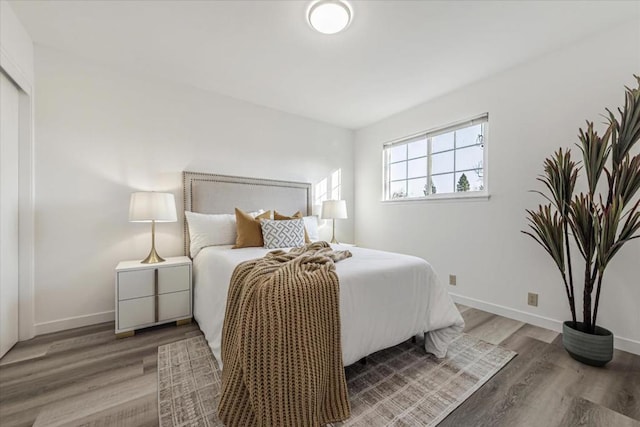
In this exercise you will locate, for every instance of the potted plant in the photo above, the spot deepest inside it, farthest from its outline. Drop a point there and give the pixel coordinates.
(599, 221)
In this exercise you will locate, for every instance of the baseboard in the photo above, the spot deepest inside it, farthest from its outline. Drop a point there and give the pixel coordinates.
(621, 343)
(74, 322)
(626, 344)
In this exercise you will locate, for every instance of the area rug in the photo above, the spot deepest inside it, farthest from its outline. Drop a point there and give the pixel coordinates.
(399, 386)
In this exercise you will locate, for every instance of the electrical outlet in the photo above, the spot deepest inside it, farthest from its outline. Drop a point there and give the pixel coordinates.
(532, 299)
(452, 279)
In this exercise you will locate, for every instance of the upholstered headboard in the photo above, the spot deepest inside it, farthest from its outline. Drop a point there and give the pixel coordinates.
(217, 194)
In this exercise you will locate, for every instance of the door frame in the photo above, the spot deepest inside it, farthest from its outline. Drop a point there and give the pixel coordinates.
(26, 315)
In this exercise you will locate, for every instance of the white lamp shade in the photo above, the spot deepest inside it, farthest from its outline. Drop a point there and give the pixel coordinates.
(151, 206)
(334, 209)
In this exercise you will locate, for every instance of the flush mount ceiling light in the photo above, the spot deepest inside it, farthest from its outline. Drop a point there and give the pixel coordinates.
(329, 16)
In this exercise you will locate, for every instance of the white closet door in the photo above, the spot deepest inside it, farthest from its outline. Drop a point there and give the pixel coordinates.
(9, 112)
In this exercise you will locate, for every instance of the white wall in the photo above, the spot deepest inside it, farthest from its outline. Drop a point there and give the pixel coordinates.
(101, 135)
(533, 109)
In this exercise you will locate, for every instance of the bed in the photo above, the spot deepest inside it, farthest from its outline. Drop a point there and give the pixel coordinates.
(385, 297)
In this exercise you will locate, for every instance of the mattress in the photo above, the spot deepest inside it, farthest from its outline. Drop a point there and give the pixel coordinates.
(385, 298)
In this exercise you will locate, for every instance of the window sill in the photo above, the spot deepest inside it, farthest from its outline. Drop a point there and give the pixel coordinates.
(449, 197)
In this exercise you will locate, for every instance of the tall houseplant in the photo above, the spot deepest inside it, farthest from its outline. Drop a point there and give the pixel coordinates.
(600, 221)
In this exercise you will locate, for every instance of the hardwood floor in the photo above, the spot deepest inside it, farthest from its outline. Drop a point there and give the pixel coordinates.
(543, 386)
(87, 377)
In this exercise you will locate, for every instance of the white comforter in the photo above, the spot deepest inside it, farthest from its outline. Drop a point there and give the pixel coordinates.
(385, 298)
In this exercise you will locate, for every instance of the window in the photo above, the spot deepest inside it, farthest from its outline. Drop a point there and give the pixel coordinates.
(330, 188)
(320, 192)
(448, 160)
(336, 184)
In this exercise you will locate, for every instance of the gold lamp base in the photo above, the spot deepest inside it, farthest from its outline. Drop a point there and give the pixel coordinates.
(153, 256)
(333, 234)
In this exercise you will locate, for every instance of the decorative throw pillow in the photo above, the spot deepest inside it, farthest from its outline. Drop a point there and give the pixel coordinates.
(298, 215)
(286, 233)
(249, 233)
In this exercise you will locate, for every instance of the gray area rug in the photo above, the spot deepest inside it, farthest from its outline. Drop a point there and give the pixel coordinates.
(399, 386)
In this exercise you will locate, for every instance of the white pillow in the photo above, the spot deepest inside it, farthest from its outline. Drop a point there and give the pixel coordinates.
(287, 233)
(211, 230)
(311, 224)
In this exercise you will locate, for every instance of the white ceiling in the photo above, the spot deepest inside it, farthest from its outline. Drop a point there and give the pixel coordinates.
(394, 55)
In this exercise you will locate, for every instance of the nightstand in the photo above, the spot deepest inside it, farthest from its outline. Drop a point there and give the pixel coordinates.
(152, 294)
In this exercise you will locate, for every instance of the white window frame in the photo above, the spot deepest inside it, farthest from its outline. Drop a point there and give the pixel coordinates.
(481, 194)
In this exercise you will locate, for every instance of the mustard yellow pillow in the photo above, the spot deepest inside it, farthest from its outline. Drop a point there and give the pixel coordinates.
(298, 215)
(249, 232)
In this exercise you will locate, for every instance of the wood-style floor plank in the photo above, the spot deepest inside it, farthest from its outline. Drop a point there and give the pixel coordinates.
(85, 378)
(582, 412)
(543, 385)
(616, 386)
(100, 400)
(494, 329)
(27, 400)
(39, 345)
(88, 377)
(541, 334)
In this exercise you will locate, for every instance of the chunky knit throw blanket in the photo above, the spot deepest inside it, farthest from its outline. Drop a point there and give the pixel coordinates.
(281, 341)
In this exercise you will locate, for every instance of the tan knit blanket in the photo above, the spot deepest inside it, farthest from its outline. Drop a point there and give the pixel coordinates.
(281, 346)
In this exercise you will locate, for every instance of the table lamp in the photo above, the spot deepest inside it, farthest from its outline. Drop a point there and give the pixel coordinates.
(334, 209)
(149, 206)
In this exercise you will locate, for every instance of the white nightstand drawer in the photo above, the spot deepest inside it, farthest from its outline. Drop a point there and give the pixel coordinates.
(174, 279)
(174, 305)
(135, 284)
(136, 312)
(140, 283)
